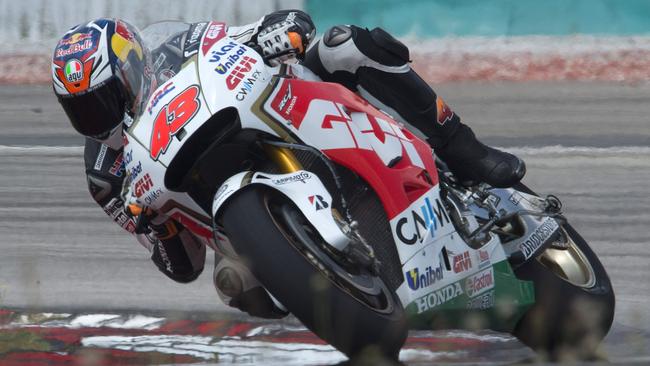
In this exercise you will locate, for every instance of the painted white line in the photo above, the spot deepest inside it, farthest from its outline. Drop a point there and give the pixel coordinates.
(578, 150)
(41, 150)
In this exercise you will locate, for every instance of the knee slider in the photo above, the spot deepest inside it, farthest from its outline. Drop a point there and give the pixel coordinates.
(376, 44)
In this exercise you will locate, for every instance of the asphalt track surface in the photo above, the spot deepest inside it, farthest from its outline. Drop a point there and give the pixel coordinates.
(587, 143)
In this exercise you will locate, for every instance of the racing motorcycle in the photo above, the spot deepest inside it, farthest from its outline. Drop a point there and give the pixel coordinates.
(346, 217)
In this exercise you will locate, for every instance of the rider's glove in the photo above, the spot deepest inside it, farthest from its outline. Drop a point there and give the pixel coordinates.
(143, 217)
(147, 220)
(285, 37)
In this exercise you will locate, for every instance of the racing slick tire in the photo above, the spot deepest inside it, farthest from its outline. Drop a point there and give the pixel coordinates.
(575, 301)
(261, 225)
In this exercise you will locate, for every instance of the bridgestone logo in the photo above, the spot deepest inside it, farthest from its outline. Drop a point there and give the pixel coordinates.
(439, 297)
(537, 238)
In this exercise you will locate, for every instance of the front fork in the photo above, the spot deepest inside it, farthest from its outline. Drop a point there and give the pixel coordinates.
(359, 252)
(283, 158)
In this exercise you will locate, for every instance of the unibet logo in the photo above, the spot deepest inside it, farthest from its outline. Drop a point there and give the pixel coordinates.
(439, 297)
(416, 280)
(412, 229)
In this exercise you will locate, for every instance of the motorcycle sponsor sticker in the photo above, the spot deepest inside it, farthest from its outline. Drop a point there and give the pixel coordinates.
(480, 282)
(113, 207)
(75, 38)
(288, 100)
(128, 156)
(117, 169)
(318, 202)
(158, 95)
(125, 222)
(483, 258)
(416, 225)
(74, 71)
(143, 185)
(100, 157)
(135, 170)
(485, 301)
(152, 196)
(417, 280)
(439, 297)
(299, 177)
(538, 237)
(462, 262)
(247, 85)
(195, 35)
(226, 56)
(239, 72)
(73, 49)
(214, 33)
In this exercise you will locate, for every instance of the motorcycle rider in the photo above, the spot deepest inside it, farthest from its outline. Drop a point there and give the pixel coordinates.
(101, 70)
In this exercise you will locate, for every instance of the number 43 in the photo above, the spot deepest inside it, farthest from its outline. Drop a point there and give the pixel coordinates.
(172, 118)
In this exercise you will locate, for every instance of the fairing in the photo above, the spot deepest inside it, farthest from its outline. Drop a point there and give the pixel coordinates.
(398, 166)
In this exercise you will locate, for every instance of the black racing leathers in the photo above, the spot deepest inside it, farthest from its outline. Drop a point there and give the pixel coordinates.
(179, 256)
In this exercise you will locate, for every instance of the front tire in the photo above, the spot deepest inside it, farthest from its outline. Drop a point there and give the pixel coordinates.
(575, 302)
(308, 287)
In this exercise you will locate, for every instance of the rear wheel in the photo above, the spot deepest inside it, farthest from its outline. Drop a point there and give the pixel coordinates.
(347, 307)
(575, 302)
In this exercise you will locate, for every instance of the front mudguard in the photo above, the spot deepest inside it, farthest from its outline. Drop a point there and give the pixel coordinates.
(303, 188)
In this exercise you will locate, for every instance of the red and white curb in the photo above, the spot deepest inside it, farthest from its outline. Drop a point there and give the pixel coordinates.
(105, 339)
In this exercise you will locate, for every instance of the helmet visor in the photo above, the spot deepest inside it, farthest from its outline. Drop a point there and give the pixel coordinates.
(97, 112)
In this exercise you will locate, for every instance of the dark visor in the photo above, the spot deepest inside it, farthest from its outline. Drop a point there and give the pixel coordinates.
(96, 113)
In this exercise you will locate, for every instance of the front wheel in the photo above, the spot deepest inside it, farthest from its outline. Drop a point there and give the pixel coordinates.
(575, 302)
(349, 308)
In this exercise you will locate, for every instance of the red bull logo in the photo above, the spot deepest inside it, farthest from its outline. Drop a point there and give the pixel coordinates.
(74, 48)
(75, 38)
(124, 41)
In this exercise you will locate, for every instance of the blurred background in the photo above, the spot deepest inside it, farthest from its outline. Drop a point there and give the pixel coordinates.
(463, 39)
(562, 83)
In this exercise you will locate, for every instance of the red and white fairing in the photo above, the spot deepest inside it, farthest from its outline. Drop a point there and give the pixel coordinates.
(351, 132)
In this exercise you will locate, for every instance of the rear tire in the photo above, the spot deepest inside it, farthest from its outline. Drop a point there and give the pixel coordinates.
(304, 284)
(572, 312)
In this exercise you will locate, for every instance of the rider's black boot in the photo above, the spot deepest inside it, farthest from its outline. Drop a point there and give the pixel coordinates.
(473, 162)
